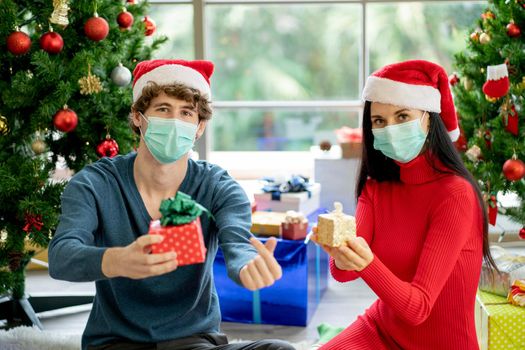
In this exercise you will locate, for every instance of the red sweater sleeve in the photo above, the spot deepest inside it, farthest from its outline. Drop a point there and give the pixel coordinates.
(364, 228)
(449, 228)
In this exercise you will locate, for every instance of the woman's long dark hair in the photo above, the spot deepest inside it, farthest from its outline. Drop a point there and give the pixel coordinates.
(376, 165)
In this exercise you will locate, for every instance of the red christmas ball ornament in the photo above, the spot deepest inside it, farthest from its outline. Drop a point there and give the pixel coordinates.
(453, 79)
(96, 28)
(51, 42)
(474, 36)
(513, 30)
(125, 19)
(522, 233)
(131, 2)
(514, 169)
(150, 26)
(65, 120)
(107, 148)
(18, 43)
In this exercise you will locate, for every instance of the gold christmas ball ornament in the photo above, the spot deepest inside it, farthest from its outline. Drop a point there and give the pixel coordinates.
(484, 38)
(467, 84)
(38, 146)
(4, 127)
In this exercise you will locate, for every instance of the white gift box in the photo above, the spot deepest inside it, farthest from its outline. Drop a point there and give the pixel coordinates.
(304, 202)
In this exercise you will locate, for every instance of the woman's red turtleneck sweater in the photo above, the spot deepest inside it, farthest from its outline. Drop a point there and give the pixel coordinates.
(426, 235)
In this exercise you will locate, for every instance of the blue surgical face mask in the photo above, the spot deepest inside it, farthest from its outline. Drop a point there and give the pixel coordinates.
(168, 139)
(402, 142)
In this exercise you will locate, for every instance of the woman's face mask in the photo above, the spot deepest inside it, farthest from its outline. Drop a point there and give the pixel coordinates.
(168, 139)
(402, 142)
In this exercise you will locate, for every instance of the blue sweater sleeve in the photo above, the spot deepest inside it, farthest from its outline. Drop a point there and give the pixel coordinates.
(233, 214)
(73, 255)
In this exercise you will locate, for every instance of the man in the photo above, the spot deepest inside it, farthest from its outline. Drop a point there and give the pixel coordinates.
(143, 300)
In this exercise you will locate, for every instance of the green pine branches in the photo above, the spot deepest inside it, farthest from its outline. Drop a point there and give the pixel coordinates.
(33, 88)
(483, 120)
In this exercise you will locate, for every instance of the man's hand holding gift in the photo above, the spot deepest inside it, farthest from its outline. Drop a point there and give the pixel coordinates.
(135, 261)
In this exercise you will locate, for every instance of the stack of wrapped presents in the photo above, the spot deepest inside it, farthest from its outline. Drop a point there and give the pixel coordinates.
(285, 209)
(500, 303)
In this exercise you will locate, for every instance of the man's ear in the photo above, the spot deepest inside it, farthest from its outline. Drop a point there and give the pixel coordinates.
(200, 129)
(136, 118)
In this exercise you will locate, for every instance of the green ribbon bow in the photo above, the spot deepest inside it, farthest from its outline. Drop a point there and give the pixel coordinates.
(180, 210)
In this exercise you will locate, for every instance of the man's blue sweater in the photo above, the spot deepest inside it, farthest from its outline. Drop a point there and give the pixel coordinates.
(102, 208)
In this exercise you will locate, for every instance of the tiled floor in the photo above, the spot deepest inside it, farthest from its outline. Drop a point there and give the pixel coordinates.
(339, 306)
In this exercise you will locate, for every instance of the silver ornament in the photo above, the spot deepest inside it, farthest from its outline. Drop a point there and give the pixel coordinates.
(121, 75)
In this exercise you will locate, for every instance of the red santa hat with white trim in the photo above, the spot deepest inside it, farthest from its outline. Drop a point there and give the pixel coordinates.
(195, 74)
(415, 84)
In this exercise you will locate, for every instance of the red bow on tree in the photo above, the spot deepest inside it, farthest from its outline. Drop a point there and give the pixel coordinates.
(33, 221)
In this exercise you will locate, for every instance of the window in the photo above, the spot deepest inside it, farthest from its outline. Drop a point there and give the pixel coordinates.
(285, 52)
(290, 72)
(176, 23)
(273, 129)
(433, 31)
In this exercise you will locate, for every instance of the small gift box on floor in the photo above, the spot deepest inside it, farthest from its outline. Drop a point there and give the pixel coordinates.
(295, 226)
(499, 325)
(181, 227)
(512, 267)
(267, 223)
(350, 141)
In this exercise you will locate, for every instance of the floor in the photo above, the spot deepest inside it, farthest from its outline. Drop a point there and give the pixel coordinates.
(340, 305)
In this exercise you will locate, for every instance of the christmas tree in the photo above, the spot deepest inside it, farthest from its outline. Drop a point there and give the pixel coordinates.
(489, 91)
(65, 96)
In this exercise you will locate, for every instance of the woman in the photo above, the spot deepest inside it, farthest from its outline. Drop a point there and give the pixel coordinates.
(421, 222)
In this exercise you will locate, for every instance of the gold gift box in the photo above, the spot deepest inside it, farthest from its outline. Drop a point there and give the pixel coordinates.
(267, 223)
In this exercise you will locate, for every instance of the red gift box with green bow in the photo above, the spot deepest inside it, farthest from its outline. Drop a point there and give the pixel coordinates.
(181, 227)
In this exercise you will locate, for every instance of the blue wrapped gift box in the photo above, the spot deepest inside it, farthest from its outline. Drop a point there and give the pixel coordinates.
(290, 301)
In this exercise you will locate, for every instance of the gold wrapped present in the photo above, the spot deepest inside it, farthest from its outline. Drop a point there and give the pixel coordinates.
(335, 228)
(267, 223)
